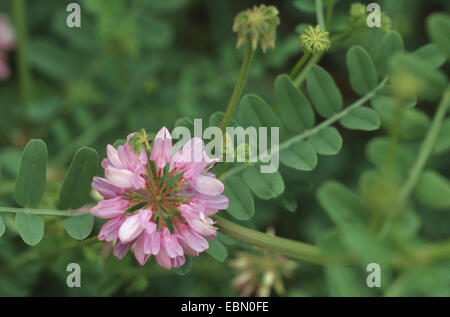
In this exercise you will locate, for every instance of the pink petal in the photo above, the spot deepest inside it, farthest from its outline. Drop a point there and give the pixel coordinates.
(113, 157)
(130, 229)
(144, 219)
(110, 230)
(198, 221)
(162, 148)
(170, 243)
(163, 259)
(121, 249)
(178, 261)
(208, 185)
(109, 208)
(213, 203)
(191, 239)
(152, 243)
(105, 189)
(7, 34)
(119, 177)
(139, 253)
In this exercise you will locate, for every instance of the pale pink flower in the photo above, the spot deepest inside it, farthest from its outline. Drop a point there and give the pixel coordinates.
(130, 229)
(7, 43)
(159, 211)
(105, 188)
(110, 230)
(7, 36)
(162, 148)
(109, 208)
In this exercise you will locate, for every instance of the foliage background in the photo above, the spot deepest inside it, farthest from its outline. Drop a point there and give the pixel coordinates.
(137, 64)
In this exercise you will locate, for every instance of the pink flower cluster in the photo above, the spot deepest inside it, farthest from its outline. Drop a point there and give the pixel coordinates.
(158, 203)
(7, 43)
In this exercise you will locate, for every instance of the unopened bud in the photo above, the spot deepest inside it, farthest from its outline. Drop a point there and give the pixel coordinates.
(315, 40)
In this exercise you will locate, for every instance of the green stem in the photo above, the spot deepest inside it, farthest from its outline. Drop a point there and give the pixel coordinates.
(329, 13)
(316, 58)
(237, 92)
(299, 65)
(312, 131)
(424, 153)
(18, 9)
(302, 76)
(222, 169)
(427, 146)
(291, 248)
(339, 37)
(319, 14)
(394, 137)
(433, 252)
(48, 212)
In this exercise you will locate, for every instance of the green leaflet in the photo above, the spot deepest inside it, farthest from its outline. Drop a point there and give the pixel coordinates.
(368, 248)
(31, 179)
(428, 82)
(257, 113)
(430, 280)
(226, 239)
(438, 27)
(263, 185)
(361, 118)
(217, 250)
(289, 202)
(2, 226)
(414, 123)
(406, 225)
(443, 140)
(363, 75)
(186, 267)
(344, 207)
(154, 32)
(432, 54)
(376, 152)
(391, 43)
(324, 93)
(342, 280)
(51, 59)
(241, 204)
(295, 110)
(305, 6)
(31, 227)
(77, 183)
(433, 190)
(346, 281)
(300, 155)
(327, 141)
(79, 227)
(216, 118)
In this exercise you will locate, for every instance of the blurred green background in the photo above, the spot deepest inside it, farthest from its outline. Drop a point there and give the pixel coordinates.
(136, 64)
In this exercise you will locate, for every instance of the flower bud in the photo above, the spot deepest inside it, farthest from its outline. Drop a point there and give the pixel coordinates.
(315, 40)
(139, 141)
(257, 26)
(358, 15)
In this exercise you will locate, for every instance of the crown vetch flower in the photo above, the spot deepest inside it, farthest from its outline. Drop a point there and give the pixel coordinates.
(7, 43)
(158, 203)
